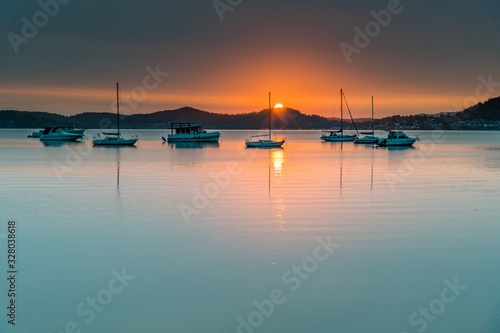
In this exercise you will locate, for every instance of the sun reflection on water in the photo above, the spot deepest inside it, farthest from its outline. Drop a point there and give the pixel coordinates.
(278, 157)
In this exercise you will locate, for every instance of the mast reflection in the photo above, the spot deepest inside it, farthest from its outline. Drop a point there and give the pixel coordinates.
(341, 165)
(118, 171)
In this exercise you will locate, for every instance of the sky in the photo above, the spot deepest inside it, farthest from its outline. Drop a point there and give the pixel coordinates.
(224, 56)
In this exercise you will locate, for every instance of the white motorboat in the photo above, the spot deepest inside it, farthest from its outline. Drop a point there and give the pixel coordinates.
(252, 142)
(369, 137)
(338, 135)
(397, 138)
(114, 138)
(58, 133)
(188, 132)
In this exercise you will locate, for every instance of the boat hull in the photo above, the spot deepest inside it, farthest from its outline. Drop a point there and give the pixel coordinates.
(367, 140)
(338, 138)
(397, 142)
(193, 145)
(264, 144)
(60, 137)
(115, 142)
(80, 132)
(201, 137)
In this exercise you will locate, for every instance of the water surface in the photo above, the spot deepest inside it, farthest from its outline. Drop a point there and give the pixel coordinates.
(207, 230)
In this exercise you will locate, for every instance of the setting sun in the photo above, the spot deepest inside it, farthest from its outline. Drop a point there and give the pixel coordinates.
(278, 106)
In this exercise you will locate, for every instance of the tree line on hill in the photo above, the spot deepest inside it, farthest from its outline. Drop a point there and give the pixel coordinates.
(481, 116)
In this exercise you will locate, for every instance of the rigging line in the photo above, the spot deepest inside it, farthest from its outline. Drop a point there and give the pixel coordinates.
(353, 123)
(336, 103)
(334, 109)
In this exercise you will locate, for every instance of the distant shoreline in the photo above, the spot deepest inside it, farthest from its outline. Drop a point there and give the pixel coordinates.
(274, 130)
(483, 116)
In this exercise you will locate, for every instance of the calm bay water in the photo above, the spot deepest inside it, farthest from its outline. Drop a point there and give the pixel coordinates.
(219, 238)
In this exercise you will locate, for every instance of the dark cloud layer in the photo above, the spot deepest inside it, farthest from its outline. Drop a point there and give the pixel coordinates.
(430, 47)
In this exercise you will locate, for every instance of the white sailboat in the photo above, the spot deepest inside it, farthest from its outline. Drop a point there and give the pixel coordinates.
(369, 137)
(114, 138)
(338, 135)
(262, 143)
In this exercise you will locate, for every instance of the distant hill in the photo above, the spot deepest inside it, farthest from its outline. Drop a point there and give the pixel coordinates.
(285, 119)
(481, 116)
(30, 119)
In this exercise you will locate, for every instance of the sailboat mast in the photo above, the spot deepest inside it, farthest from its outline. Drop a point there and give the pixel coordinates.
(117, 109)
(373, 122)
(269, 116)
(341, 111)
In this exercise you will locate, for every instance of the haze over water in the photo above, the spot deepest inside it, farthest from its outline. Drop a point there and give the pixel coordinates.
(406, 224)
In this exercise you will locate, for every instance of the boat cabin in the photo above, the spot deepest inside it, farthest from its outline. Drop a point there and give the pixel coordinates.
(397, 135)
(55, 129)
(333, 132)
(186, 128)
(52, 129)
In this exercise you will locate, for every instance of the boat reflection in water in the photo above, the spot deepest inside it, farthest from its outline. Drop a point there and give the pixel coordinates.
(399, 147)
(63, 143)
(341, 165)
(352, 175)
(118, 149)
(192, 145)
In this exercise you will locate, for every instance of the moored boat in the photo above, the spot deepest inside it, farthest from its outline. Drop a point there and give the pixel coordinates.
(66, 129)
(59, 133)
(252, 143)
(189, 132)
(338, 135)
(269, 143)
(397, 138)
(114, 138)
(369, 137)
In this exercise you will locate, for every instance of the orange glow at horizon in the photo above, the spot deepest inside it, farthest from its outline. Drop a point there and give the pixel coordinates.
(77, 100)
